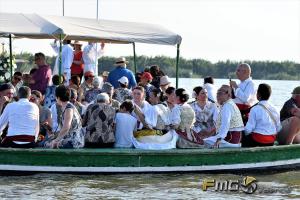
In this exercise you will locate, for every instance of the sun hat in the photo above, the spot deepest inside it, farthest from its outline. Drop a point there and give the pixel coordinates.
(121, 61)
(123, 80)
(164, 80)
(76, 42)
(296, 90)
(105, 73)
(147, 76)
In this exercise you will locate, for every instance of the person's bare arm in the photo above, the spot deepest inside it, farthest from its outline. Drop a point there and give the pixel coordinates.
(141, 116)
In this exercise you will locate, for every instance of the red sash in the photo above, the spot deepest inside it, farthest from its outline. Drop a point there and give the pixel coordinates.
(18, 138)
(234, 137)
(264, 139)
(243, 108)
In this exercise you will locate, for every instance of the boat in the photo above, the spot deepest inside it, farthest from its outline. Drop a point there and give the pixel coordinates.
(126, 160)
(258, 159)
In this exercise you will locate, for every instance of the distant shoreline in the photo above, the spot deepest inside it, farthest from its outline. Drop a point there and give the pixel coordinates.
(191, 68)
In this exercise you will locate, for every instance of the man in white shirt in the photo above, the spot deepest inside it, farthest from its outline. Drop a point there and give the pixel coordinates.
(264, 121)
(22, 118)
(245, 92)
(90, 56)
(66, 59)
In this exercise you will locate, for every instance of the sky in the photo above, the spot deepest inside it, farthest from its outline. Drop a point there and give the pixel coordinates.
(211, 29)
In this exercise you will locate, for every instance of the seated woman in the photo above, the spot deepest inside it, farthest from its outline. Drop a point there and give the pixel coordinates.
(99, 122)
(182, 119)
(142, 109)
(70, 134)
(162, 111)
(206, 115)
(229, 124)
(264, 121)
(45, 113)
(149, 136)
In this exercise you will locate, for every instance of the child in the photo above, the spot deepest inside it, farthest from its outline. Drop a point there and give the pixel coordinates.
(125, 125)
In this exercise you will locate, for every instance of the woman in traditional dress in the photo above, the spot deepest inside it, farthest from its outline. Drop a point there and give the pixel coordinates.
(206, 115)
(182, 119)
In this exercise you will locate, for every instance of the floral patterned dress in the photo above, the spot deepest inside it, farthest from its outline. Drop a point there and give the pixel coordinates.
(75, 137)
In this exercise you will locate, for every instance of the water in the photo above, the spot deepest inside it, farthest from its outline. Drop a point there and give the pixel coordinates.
(142, 186)
(155, 186)
(281, 89)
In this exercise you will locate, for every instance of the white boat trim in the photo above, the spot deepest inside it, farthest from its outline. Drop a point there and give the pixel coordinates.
(243, 166)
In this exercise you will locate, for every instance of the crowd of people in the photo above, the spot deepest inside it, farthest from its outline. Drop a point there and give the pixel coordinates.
(123, 110)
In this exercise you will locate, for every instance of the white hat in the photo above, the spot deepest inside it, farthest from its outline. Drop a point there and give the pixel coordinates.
(123, 80)
(164, 80)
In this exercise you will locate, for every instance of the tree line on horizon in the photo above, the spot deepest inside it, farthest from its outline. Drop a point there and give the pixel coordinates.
(188, 68)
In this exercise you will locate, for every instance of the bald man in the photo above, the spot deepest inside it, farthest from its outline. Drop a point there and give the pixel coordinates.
(245, 92)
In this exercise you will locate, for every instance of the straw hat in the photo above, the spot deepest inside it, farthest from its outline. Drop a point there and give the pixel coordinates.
(121, 61)
(76, 42)
(105, 73)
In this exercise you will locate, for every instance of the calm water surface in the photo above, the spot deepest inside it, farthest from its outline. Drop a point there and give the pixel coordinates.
(142, 186)
(155, 186)
(281, 90)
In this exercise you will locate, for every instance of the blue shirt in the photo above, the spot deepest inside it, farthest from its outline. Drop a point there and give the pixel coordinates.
(117, 73)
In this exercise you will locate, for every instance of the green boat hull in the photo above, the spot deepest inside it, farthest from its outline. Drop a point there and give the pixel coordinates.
(135, 160)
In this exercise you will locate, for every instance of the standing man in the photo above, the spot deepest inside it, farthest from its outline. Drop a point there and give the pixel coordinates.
(23, 132)
(41, 77)
(290, 120)
(245, 92)
(119, 72)
(91, 54)
(66, 59)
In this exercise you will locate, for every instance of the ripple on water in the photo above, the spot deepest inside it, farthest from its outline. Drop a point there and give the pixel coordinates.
(141, 186)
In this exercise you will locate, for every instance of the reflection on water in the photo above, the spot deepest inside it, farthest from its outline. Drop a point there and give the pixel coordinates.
(142, 186)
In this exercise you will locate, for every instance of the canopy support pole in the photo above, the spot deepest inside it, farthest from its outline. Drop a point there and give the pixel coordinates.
(63, 7)
(10, 56)
(60, 55)
(134, 57)
(177, 62)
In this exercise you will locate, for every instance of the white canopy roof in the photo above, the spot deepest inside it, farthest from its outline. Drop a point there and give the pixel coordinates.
(48, 27)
